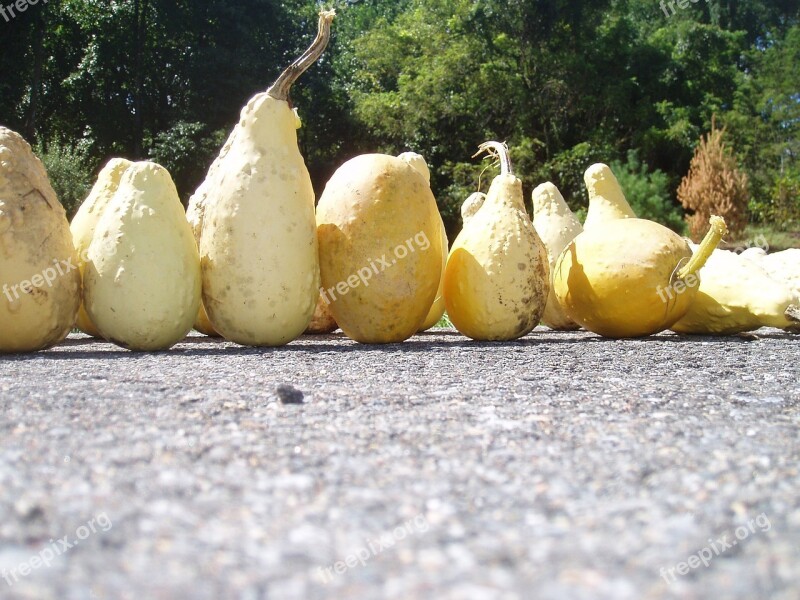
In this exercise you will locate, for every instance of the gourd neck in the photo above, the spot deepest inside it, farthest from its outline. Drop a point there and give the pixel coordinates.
(280, 89)
(709, 244)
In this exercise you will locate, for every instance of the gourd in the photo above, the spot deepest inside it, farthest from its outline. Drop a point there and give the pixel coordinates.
(783, 266)
(606, 199)
(557, 226)
(380, 239)
(40, 284)
(85, 221)
(471, 206)
(322, 322)
(497, 277)
(258, 243)
(736, 294)
(195, 212)
(142, 273)
(436, 311)
(631, 277)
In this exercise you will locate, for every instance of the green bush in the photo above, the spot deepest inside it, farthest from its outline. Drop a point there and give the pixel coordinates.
(648, 192)
(70, 172)
(785, 208)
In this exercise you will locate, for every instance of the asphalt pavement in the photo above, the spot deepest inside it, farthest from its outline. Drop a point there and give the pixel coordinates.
(562, 465)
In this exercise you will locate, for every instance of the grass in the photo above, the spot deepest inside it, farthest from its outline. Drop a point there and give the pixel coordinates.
(445, 322)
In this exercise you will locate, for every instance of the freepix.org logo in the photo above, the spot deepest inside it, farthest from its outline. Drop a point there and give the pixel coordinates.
(44, 279)
(10, 11)
(375, 267)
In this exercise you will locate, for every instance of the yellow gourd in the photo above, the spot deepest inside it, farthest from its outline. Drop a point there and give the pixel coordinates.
(606, 199)
(142, 273)
(380, 248)
(195, 213)
(497, 278)
(85, 222)
(735, 295)
(783, 266)
(557, 227)
(258, 244)
(322, 322)
(40, 284)
(631, 277)
(436, 311)
(471, 206)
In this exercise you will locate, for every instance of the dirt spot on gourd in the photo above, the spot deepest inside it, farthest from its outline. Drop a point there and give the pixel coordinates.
(39, 295)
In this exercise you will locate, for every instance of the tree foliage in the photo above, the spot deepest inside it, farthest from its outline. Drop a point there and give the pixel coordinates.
(564, 82)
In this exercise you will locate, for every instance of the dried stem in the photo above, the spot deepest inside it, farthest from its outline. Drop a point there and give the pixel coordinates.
(280, 89)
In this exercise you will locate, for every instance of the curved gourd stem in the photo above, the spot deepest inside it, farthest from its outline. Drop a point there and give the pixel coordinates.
(496, 149)
(708, 245)
(280, 89)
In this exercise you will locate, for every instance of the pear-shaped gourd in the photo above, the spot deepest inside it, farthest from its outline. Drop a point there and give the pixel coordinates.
(631, 277)
(258, 244)
(471, 206)
(40, 285)
(195, 213)
(606, 199)
(436, 312)
(735, 295)
(322, 322)
(557, 226)
(380, 248)
(85, 221)
(142, 273)
(497, 277)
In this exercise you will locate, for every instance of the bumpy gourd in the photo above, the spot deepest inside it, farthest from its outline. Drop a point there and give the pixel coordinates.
(40, 285)
(735, 295)
(557, 226)
(86, 219)
(142, 272)
(471, 206)
(783, 266)
(380, 248)
(258, 242)
(497, 277)
(606, 199)
(195, 212)
(631, 277)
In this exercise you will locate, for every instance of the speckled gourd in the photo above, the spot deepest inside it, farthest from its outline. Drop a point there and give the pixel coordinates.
(497, 277)
(40, 284)
(258, 244)
(85, 221)
(373, 207)
(142, 273)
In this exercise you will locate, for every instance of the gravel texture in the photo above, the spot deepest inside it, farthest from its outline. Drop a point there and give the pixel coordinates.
(559, 466)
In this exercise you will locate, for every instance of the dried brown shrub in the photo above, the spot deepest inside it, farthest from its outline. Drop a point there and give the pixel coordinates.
(714, 186)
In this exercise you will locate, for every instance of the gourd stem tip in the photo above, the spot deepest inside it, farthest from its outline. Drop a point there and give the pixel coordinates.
(497, 149)
(707, 246)
(280, 89)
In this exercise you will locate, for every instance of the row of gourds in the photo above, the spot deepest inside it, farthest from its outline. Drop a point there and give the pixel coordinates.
(254, 262)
